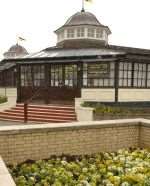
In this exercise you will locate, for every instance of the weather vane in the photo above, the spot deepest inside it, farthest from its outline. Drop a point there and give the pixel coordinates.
(18, 38)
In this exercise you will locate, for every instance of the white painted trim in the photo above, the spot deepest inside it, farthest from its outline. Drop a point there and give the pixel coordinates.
(98, 94)
(84, 113)
(86, 27)
(5, 177)
(129, 95)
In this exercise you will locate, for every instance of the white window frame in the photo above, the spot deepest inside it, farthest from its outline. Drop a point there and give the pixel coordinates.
(81, 32)
(62, 35)
(70, 33)
(99, 33)
(91, 32)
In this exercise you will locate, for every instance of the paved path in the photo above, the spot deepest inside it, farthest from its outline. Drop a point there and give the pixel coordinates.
(11, 93)
(8, 123)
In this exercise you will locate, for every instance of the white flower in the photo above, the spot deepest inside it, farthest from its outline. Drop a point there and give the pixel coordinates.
(125, 184)
(106, 182)
(120, 170)
(128, 170)
(109, 174)
(84, 170)
(129, 158)
(63, 162)
(85, 183)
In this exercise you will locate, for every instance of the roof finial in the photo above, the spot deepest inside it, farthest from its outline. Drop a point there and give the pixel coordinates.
(83, 10)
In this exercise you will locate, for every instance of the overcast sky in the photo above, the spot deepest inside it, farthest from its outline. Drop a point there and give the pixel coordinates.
(35, 20)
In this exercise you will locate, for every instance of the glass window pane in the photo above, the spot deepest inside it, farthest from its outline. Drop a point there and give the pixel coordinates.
(139, 75)
(125, 74)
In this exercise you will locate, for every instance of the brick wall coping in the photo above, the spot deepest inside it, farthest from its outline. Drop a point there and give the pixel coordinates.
(5, 177)
(18, 129)
(145, 122)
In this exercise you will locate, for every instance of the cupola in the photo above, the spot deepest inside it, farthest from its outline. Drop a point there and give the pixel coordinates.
(15, 51)
(82, 30)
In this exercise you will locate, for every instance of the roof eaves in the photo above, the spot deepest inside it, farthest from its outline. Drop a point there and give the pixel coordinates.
(68, 26)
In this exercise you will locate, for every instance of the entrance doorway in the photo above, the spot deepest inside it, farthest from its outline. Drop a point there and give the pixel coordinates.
(64, 82)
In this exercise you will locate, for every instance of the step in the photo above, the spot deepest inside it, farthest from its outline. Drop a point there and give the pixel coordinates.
(33, 119)
(41, 112)
(32, 122)
(17, 121)
(48, 105)
(12, 120)
(36, 115)
(56, 107)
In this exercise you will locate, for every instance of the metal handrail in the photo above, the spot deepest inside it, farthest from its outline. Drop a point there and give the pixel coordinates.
(26, 105)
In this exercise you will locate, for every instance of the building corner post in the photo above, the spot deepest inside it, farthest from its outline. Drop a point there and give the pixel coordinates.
(47, 83)
(117, 62)
(18, 83)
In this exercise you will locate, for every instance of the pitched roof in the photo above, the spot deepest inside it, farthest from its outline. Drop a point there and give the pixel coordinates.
(64, 53)
(5, 66)
(130, 50)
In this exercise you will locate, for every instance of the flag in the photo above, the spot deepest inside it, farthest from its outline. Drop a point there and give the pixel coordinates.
(89, 1)
(21, 39)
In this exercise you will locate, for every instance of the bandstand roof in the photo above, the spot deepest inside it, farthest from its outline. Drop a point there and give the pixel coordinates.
(6, 66)
(64, 53)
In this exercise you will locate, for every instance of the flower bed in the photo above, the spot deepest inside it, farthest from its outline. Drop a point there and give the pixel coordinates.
(116, 110)
(122, 168)
(3, 99)
(104, 112)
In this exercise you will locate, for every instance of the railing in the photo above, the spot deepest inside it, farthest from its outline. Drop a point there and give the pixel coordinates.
(26, 103)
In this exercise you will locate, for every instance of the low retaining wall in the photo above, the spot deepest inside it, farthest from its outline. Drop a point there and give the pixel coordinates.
(145, 134)
(5, 177)
(85, 114)
(19, 143)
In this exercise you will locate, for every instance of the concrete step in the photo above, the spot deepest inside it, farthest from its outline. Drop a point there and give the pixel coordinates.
(44, 110)
(40, 113)
(45, 113)
(43, 120)
(37, 115)
(55, 107)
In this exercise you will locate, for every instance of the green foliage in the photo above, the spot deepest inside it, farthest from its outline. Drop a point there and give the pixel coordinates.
(100, 108)
(122, 168)
(114, 110)
(3, 99)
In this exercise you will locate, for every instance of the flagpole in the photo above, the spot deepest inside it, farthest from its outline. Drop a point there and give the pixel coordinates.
(82, 6)
(17, 39)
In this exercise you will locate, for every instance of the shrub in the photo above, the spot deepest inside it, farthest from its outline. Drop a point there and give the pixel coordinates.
(3, 99)
(100, 108)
